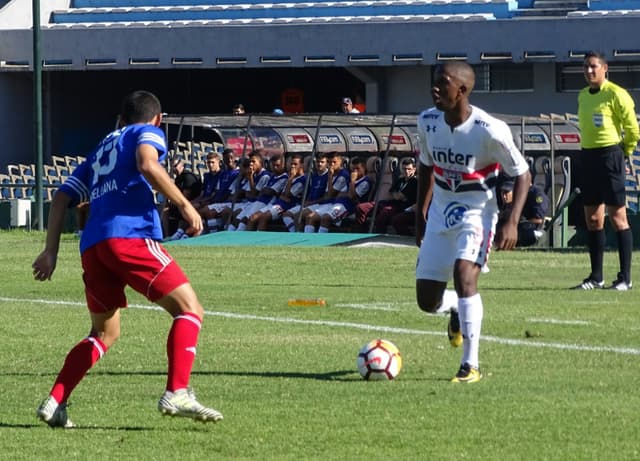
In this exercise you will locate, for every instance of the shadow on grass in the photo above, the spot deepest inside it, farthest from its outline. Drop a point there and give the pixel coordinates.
(339, 375)
(77, 428)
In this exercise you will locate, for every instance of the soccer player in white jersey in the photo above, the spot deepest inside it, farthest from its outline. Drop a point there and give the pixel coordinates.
(462, 149)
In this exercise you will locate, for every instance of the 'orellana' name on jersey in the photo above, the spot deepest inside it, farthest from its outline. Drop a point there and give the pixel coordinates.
(102, 189)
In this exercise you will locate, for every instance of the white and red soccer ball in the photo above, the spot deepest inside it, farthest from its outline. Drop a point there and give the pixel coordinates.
(379, 360)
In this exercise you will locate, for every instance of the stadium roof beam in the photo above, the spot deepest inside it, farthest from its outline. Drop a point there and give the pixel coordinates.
(407, 57)
(539, 55)
(275, 59)
(496, 56)
(451, 56)
(186, 61)
(100, 62)
(319, 59)
(364, 58)
(626, 53)
(574, 54)
(57, 63)
(144, 61)
(231, 60)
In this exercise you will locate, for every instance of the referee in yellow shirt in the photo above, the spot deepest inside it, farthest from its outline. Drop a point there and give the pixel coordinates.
(605, 111)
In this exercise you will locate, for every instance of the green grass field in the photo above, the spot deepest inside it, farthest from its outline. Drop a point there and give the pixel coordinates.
(560, 366)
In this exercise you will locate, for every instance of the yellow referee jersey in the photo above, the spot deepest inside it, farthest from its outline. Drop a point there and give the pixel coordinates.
(605, 115)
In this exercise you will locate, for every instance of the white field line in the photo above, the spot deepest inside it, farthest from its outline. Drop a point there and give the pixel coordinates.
(559, 321)
(360, 326)
(368, 306)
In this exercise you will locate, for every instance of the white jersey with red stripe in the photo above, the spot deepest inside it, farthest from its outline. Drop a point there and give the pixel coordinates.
(466, 161)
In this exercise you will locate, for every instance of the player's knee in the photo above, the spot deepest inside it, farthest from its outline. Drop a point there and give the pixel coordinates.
(194, 308)
(429, 300)
(428, 305)
(108, 337)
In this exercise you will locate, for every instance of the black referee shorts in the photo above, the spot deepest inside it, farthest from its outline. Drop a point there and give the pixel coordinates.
(602, 176)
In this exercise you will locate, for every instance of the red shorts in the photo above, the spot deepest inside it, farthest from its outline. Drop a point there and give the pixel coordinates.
(143, 264)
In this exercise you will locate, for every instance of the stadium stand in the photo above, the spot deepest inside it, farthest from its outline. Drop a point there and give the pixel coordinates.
(486, 9)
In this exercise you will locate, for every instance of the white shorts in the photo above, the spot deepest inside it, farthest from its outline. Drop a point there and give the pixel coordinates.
(294, 210)
(470, 240)
(337, 211)
(248, 209)
(275, 210)
(218, 207)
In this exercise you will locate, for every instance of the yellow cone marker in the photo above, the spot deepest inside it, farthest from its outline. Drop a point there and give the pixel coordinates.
(307, 302)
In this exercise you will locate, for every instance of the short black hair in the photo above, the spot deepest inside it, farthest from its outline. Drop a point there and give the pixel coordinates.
(139, 107)
(596, 54)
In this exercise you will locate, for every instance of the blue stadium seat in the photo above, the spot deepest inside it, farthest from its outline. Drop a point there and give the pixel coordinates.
(240, 11)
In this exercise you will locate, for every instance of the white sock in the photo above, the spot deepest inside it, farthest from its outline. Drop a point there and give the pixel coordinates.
(323, 230)
(309, 228)
(231, 228)
(288, 221)
(470, 311)
(242, 226)
(449, 302)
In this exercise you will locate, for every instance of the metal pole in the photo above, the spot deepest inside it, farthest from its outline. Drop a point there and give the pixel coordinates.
(238, 179)
(379, 175)
(307, 179)
(522, 135)
(37, 111)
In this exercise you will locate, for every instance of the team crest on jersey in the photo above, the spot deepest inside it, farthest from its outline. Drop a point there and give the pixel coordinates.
(452, 178)
(453, 214)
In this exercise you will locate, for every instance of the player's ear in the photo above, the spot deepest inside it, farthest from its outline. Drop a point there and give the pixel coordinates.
(157, 120)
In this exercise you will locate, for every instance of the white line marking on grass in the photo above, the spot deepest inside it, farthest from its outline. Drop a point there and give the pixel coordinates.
(559, 322)
(368, 306)
(361, 326)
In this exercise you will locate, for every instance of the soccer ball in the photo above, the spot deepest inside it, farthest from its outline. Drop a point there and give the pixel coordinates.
(379, 360)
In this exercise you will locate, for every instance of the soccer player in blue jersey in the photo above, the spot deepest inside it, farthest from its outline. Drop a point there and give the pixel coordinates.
(268, 194)
(345, 202)
(315, 192)
(288, 198)
(337, 182)
(119, 247)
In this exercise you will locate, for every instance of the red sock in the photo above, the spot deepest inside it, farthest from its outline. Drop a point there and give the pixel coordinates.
(79, 360)
(181, 349)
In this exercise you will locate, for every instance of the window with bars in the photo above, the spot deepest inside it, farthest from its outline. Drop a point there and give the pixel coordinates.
(570, 77)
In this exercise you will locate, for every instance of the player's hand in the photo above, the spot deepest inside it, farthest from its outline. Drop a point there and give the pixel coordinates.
(354, 176)
(506, 237)
(193, 220)
(44, 265)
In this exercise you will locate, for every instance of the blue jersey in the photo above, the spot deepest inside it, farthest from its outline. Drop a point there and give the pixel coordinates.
(260, 180)
(121, 199)
(276, 184)
(226, 179)
(210, 183)
(295, 194)
(340, 183)
(362, 188)
(317, 185)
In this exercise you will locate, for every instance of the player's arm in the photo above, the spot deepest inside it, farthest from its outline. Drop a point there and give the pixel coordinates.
(45, 263)
(507, 234)
(629, 124)
(423, 199)
(150, 168)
